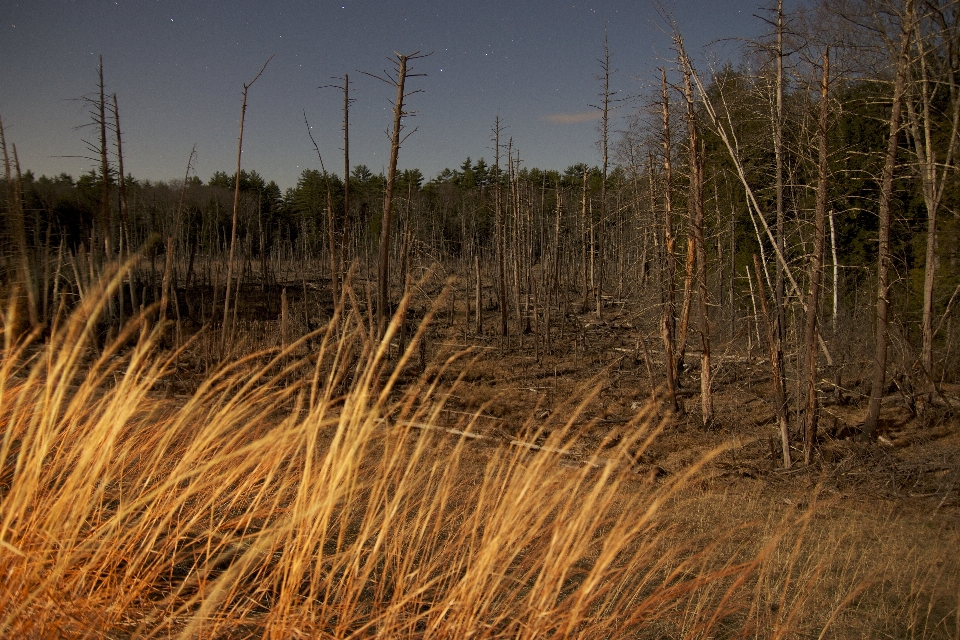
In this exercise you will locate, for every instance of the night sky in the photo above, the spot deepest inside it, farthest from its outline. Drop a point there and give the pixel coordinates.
(178, 68)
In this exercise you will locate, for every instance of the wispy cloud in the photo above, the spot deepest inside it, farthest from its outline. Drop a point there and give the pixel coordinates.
(571, 118)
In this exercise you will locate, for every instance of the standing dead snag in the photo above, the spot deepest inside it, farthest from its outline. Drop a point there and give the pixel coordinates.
(669, 272)
(124, 231)
(337, 260)
(236, 206)
(501, 238)
(585, 242)
(776, 364)
(780, 321)
(778, 158)
(165, 292)
(883, 251)
(604, 107)
(346, 155)
(331, 243)
(383, 299)
(816, 268)
(105, 218)
(696, 231)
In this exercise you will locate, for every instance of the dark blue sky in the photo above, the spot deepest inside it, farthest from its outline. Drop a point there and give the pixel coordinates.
(178, 66)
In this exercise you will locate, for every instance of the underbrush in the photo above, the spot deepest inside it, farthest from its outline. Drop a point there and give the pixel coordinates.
(300, 495)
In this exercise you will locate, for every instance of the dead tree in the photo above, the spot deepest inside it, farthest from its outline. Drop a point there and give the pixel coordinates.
(696, 231)
(780, 319)
(346, 155)
(604, 108)
(816, 267)
(780, 325)
(236, 207)
(776, 366)
(586, 249)
(398, 80)
(124, 235)
(336, 263)
(668, 274)
(501, 236)
(105, 217)
(688, 275)
(331, 242)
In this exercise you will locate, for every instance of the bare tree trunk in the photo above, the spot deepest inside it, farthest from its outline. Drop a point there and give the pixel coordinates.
(105, 217)
(405, 279)
(501, 234)
(346, 167)
(685, 305)
(780, 321)
(816, 269)
(331, 242)
(225, 329)
(696, 230)
(776, 366)
(121, 179)
(478, 301)
(586, 246)
(836, 274)
(604, 130)
(668, 322)
(124, 241)
(165, 286)
(383, 306)
(554, 278)
(883, 252)
(332, 245)
(284, 319)
(183, 195)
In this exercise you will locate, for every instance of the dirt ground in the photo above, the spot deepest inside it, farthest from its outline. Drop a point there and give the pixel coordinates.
(886, 513)
(523, 388)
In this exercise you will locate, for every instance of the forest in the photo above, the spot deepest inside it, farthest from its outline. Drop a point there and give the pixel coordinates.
(705, 387)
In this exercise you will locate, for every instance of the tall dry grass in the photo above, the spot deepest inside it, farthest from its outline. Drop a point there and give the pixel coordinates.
(292, 496)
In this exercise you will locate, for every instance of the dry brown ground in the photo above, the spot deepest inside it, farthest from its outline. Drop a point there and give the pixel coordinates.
(884, 534)
(882, 525)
